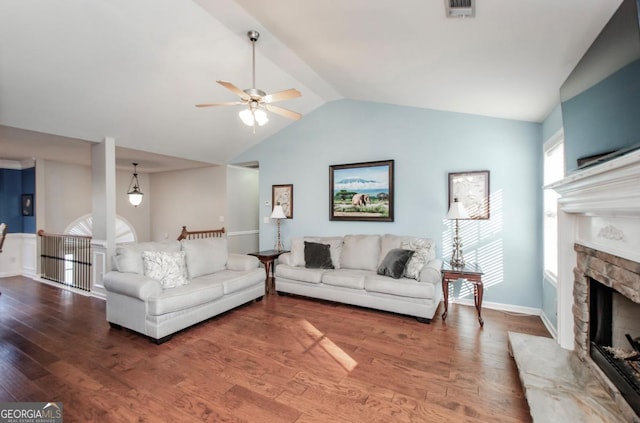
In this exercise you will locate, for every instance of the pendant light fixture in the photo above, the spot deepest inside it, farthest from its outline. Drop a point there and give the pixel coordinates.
(135, 196)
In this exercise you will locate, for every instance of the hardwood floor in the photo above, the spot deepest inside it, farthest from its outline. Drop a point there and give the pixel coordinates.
(285, 359)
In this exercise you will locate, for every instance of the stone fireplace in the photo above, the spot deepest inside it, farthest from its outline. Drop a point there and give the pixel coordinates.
(599, 262)
(606, 310)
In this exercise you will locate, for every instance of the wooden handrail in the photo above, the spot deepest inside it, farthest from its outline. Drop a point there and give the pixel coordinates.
(209, 233)
(42, 232)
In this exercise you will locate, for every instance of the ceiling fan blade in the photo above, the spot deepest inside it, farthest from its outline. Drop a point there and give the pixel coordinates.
(283, 112)
(234, 89)
(282, 95)
(229, 103)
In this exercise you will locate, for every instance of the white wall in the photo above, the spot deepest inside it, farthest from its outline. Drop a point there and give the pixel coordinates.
(138, 217)
(242, 209)
(67, 194)
(195, 198)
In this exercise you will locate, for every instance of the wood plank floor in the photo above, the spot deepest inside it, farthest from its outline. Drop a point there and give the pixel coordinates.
(285, 359)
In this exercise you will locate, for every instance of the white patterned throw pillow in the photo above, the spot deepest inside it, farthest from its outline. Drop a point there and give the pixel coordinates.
(167, 268)
(422, 255)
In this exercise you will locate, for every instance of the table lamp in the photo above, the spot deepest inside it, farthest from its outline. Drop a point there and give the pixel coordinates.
(457, 212)
(278, 215)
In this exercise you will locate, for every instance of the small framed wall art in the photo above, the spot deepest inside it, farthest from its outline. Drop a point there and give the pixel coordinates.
(27, 204)
(472, 190)
(361, 191)
(283, 195)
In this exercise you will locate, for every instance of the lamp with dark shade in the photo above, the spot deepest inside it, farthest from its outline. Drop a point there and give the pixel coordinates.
(457, 212)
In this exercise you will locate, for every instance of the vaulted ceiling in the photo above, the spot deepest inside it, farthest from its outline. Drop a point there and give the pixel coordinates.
(134, 69)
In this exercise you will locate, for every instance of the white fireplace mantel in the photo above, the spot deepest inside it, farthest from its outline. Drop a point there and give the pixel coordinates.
(599, 207)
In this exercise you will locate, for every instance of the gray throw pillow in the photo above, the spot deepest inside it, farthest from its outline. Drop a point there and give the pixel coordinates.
(394, 263)
(317, 256)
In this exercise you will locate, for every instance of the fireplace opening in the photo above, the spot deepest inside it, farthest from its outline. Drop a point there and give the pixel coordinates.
(614, 334)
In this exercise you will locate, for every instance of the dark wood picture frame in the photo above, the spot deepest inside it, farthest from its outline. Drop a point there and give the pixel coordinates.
(283, 195)
(27, 204)
(472, 190)
(361, 191)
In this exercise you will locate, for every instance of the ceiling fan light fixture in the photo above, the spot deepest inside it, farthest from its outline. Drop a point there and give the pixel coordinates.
(257, 101)
(250, 117)
(260, 116)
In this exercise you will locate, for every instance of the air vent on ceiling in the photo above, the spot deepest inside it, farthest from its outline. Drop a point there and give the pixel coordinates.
(460, 8)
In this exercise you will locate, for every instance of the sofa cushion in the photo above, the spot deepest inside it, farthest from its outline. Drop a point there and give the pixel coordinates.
(298, 273)
(317, 256)
(360, 252)
(387, 243)
(128, 257)
(297, 249)
(424, 251)
(184, 297)
(167, 268)
(233, 281)
(206, 255)
(347, 278)
(401, 287)
(242, 262)
(394, 263)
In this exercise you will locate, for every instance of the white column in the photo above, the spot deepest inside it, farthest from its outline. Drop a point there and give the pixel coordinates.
(103, 172)
(566, 264)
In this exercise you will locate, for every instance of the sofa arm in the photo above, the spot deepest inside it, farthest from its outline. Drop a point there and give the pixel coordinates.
(131, 284)
(431, 272)
(286, 258)
(242, 262)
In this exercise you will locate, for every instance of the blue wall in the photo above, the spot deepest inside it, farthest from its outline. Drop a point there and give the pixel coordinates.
(426, 145)
(29, 187)
(603, 118)
(14, 183)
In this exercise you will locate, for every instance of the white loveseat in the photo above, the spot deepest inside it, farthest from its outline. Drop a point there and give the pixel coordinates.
(355, 278)
(147, 293)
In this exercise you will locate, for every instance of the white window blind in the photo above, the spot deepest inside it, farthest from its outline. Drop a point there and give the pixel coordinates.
(553, 171)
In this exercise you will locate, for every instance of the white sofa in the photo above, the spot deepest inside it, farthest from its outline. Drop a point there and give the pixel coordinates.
(355, 278)
(147, 293)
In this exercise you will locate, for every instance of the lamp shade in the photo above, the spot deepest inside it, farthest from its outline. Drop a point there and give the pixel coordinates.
(278, 213)
(135, 198)
(252, 116)
(457, 210)
(246, 117)
(134, 193)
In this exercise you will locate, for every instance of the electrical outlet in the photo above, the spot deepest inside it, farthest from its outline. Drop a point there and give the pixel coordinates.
(12, 260)
(265, 219)
(221, 218)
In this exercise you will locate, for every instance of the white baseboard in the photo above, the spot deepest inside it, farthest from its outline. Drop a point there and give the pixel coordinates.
(61, 286)
(501, 307)
(547, 323)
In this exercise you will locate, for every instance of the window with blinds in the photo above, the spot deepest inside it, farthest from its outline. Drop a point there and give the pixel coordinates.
(553, 172)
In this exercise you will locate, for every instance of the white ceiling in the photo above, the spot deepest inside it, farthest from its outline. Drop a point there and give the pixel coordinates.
(134, 69)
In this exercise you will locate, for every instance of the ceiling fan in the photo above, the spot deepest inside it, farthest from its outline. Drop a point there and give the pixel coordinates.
(257, 101)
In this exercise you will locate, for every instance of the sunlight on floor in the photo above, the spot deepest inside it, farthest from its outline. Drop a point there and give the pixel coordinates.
(341, 357)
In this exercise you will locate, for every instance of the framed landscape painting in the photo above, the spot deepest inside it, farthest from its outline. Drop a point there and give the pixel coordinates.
(472, 190)
(361, 191)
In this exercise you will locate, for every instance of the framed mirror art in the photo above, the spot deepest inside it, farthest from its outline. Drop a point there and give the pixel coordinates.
(472, 190)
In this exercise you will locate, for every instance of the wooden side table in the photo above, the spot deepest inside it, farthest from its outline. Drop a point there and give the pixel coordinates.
(267, 257)
(472, 274)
